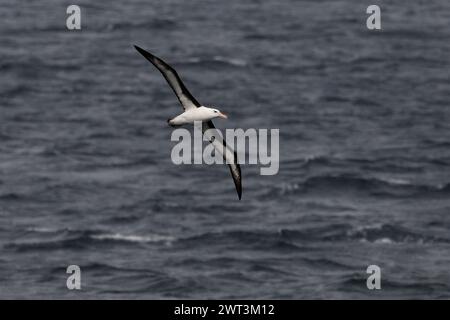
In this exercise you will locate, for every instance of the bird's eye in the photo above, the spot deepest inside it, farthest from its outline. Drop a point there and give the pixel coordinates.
(215, 111)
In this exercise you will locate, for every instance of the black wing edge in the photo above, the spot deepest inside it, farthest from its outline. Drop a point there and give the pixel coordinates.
(237, 179)
(152, 58)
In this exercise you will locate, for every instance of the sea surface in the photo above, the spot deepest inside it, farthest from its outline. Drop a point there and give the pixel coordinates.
(86, 176)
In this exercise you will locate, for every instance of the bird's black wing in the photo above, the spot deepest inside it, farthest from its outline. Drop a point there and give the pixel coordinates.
(229, 155)
(183, 94)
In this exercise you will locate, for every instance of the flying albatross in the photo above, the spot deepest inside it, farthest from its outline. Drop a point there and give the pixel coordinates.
(194, 111)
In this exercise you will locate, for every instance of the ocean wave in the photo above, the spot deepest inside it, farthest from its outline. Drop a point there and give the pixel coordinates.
(422, 288)
(268, 37)
(134, 238)
(4, 137)
(32, 66)
(154, 23)
(325, 263)
(11, 196)
(375, 186)
(16, 90)
(397, 163)
(253, 239)
(42, 230)
(383, 234)
(291, 240)
(215, 61)
(413, 34)
(75, 239)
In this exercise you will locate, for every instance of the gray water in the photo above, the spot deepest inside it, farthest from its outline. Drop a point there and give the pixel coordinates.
(86, 176)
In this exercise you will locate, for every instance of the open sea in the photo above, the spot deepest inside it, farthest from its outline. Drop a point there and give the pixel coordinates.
(86, 176)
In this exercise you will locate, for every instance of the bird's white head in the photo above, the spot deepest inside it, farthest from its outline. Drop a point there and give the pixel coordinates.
(215, 113)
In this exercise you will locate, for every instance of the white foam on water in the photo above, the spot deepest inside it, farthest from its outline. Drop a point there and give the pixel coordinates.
(134, 238)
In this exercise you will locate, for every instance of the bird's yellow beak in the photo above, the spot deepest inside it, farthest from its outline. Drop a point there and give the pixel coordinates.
(223, 115)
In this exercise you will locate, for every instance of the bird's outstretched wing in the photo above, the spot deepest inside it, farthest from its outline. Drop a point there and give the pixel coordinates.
(183, 94)
(229, 155)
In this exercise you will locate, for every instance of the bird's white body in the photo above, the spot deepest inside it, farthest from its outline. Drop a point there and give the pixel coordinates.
(196, 114)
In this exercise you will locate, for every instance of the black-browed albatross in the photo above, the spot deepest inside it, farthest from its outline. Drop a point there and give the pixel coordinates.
(194, 111)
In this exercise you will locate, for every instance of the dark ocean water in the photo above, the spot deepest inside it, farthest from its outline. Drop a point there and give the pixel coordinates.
(86, 176)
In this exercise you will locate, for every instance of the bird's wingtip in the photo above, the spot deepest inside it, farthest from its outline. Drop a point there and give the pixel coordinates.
(145, 53)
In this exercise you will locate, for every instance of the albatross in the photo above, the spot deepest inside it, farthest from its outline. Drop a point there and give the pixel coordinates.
(194, 111)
